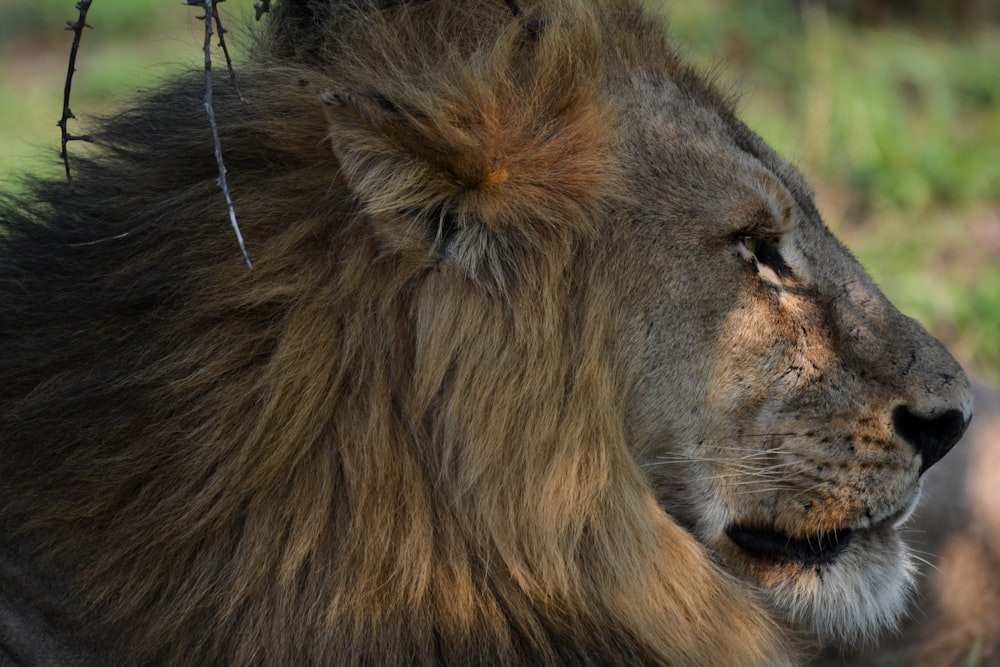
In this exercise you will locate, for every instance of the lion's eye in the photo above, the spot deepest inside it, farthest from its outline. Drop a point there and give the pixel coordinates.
(751, 243)
(763, 251)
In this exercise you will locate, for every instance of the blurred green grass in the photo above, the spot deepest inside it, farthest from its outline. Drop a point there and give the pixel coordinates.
(131, 45)
(896, 126)
(904, 117)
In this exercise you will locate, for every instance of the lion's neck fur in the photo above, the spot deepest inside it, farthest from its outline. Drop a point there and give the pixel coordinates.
(400, 464)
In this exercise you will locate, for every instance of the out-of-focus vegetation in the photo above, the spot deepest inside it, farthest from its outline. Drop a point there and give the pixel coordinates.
(132, 43)
(890, 107)
(903, 116)
(36, 18)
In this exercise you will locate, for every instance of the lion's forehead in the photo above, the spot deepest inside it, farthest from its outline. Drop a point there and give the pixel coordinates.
(683, 153)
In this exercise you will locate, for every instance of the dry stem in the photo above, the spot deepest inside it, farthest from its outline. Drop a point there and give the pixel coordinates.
(77, 28)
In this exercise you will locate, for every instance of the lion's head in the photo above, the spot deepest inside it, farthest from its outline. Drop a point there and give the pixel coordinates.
(547, 358)
(786, 414)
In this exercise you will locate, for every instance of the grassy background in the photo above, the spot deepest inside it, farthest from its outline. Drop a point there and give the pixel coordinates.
(896, 124)
(131, 44)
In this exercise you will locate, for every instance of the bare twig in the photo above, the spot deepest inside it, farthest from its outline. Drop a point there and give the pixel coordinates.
(210, 14)
(225, 50)
(77, 28)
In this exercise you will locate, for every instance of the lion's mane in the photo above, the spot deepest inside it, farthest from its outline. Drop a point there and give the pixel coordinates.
(399, 440)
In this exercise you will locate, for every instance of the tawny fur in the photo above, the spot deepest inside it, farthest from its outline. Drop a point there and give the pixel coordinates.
(428, 427)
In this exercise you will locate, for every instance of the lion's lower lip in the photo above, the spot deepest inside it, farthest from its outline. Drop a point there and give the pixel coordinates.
(764, 543)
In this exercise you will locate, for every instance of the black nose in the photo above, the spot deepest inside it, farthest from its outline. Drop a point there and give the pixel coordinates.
(932, 436)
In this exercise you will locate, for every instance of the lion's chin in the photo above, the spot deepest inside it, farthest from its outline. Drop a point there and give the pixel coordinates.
(844, 587)
(852, 594)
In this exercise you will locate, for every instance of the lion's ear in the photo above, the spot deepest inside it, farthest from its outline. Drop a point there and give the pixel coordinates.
(407, 164)
(483, 169)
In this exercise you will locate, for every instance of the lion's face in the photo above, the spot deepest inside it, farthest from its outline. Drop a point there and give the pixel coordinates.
(784, 410)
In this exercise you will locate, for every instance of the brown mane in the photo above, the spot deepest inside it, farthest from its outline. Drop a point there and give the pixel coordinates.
(399, 440)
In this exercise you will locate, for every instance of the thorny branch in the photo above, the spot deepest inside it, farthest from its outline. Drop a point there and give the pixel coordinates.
(211, 13)
(77, 28)
(225, 49)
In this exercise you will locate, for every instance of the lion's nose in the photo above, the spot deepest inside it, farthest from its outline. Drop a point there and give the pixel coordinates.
(934, 436)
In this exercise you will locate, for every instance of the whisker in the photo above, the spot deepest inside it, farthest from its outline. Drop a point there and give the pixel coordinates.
(810, 489)
(765, 435)
(754, 475)
(694, 458)
(773, 466)
(754, 449)
(766, 489)
(917, 557)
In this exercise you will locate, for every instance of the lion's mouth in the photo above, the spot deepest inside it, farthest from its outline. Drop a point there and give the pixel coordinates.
(772, 544)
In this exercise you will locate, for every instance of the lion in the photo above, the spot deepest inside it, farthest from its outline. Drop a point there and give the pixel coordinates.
(546, 359)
